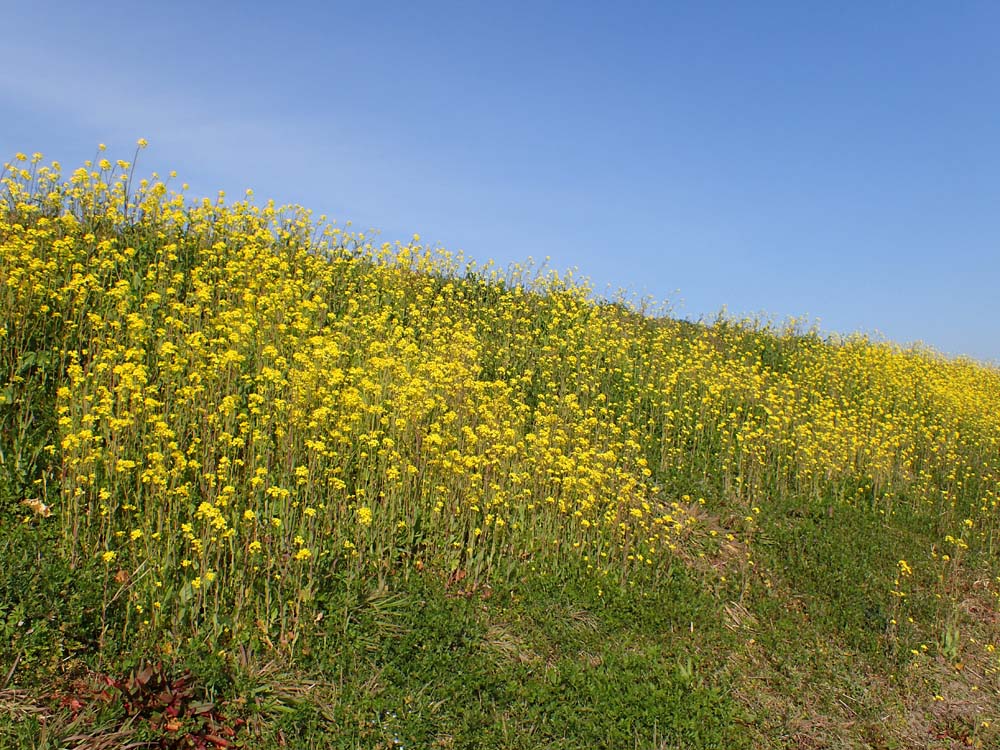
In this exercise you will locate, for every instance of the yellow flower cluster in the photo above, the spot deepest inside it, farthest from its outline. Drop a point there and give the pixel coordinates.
(248, 394)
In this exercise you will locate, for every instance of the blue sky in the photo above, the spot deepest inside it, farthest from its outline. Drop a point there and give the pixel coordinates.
(838, 161)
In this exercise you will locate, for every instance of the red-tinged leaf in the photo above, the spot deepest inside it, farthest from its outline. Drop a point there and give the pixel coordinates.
(145, 674)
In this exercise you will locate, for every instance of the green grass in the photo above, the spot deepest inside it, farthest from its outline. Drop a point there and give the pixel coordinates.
(553, 662)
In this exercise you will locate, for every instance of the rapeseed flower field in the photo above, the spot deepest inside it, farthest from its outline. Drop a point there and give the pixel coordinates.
(223, 411)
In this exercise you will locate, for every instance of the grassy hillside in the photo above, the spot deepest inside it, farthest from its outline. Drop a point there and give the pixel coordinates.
(264, 483)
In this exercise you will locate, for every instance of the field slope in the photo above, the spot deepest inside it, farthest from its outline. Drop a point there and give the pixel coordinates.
(264, 483)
